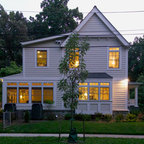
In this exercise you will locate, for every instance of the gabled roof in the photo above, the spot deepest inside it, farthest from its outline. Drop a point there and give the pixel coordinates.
(95, 11)
(44, 39)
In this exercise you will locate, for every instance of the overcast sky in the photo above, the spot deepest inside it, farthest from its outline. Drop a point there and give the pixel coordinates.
(122, 21)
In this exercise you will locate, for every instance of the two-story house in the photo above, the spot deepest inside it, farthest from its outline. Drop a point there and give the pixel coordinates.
(106, 87)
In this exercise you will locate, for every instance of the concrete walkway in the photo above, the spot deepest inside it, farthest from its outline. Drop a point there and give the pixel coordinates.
(66, 135)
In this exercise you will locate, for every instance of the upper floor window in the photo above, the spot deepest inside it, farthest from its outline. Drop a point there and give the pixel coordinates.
(74, 59)
(41, 58)
(114, 57)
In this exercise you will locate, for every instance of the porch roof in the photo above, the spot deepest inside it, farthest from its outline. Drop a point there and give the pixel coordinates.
(134, 84)
(99, 75)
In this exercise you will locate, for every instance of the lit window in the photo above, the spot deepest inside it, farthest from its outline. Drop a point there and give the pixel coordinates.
(41, 58)
(11, 84)
(48, 84)
(48, 95)
(11, 95)
(93, 95)
(23, 95)
(36, 95)
(74, 59)
(23, 84)
(114, 57)
(81, 84)
(93, 84)
(83, 93)
(36, 84)
(104, 84)
(104, 93)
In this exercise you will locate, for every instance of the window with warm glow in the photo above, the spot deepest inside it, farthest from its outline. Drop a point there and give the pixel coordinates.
(23, 84)
(36, 84)
(41, 58)
(82, 84)
(83, 93)
(36, 95)
(48, 84)
(93, 93)
(23, 95)
(104, 84)
(74, 59)
(11, 84)
(48, 94)
(114, 58)
(11, 95)
(104, 93)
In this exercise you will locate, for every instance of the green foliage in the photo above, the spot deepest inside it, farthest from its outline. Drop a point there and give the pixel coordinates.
(54, 19)
(136, 59)
(13, 30)
(51, 116)
(9, 70)
(98, 116)
(107, 117)
(130, 117)
(119, 117)
(49, 102)
(141, 93)
(26, 116)
(72, 76)
(0, 91)
(67, 116)
(140, 117)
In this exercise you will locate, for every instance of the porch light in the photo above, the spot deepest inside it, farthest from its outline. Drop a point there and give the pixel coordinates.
(125, 82)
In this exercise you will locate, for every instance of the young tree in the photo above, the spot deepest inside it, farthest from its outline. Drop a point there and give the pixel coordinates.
(73, 69)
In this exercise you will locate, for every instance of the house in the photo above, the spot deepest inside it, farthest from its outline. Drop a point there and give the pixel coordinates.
(104, 91)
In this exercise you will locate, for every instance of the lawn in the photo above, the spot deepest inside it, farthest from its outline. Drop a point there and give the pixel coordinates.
(52, 140)
(136, 128)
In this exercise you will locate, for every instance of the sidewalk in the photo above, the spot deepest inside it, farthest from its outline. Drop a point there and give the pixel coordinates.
(66, 135)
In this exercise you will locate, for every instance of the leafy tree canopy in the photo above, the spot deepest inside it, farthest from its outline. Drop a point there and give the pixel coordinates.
(54, 19)
(13, 30)
(9, 70)
(136, 59)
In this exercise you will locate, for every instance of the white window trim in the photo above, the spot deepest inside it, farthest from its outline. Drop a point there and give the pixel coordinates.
(47, 49)
(99, 86)
(30, 91)
(120, 58)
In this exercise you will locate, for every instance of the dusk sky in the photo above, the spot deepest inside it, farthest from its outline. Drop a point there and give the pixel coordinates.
(130, 23)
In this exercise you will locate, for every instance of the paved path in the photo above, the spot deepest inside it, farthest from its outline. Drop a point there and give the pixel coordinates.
(66, 135)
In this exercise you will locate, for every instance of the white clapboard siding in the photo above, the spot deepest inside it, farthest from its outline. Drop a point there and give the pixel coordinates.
(95, 25)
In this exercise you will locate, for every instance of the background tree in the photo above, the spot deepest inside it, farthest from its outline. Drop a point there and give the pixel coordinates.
(13, 30)
(54, 19)
(72, 74)
(136, 59)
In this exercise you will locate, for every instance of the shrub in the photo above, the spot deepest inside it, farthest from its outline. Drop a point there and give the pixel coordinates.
(79, 117)
(140, 117)
(87, 117)
(99, 116)
(119, 117)
(51, 116)
(67, 116)
(130, 117)
(26, 117)
(107, 117)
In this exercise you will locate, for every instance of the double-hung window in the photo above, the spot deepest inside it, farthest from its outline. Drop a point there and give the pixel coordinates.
(41, 56)
(74, 58)
(114, 58)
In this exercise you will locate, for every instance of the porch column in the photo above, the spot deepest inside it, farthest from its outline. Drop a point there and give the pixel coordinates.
(136, 97)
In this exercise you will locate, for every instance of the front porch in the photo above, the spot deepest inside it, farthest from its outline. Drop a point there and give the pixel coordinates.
(133, 96)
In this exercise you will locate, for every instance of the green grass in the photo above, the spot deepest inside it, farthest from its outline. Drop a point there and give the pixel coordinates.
(52, 140)
(136, 128)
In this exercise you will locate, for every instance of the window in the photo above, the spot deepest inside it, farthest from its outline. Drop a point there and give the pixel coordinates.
(94, 91)
(93, 94)
(104, 93)
(48, 94)
(74, 59)
(41, 58)
(83, 93)
(23, 84)
(23, 95)
(11, 95)
(11, 84)
(114, 58)
(36, 95)
(36, 84)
